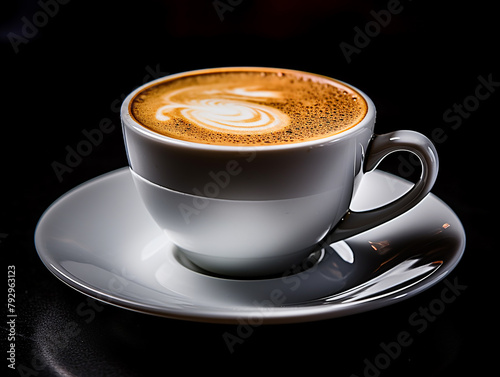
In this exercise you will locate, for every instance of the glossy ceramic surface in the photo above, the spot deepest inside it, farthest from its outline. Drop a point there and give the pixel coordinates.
(256, 173)
(100, 240)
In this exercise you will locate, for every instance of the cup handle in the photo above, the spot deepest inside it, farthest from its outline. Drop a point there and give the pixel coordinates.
(381, 146)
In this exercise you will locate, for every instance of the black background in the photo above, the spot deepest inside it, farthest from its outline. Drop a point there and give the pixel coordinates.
(71, 73)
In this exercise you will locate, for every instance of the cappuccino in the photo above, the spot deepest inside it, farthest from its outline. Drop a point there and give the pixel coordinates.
(248, 107)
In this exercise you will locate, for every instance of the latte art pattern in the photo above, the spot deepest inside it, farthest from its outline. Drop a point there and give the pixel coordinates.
(231, 110)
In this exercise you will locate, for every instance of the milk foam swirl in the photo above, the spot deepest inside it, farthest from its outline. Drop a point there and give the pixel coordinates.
(232, 110)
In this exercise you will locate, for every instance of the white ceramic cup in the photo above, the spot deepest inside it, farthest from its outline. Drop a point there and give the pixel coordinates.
(254, 211)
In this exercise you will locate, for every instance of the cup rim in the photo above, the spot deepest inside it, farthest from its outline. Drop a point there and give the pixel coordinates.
(129, 121)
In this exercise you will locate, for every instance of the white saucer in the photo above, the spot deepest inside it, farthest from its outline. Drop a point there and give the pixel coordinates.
(99, 239)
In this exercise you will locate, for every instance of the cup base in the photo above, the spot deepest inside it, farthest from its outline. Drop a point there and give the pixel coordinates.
(248, 268)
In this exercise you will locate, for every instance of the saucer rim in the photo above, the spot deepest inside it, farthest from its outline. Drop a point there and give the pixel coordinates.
(275, 315)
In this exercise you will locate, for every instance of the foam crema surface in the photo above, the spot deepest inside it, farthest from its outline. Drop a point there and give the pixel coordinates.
(248, 107)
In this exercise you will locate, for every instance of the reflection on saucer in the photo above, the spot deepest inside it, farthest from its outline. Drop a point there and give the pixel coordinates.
(100, 240)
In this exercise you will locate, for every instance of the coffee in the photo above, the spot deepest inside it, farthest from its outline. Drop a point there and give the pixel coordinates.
(248, 107)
